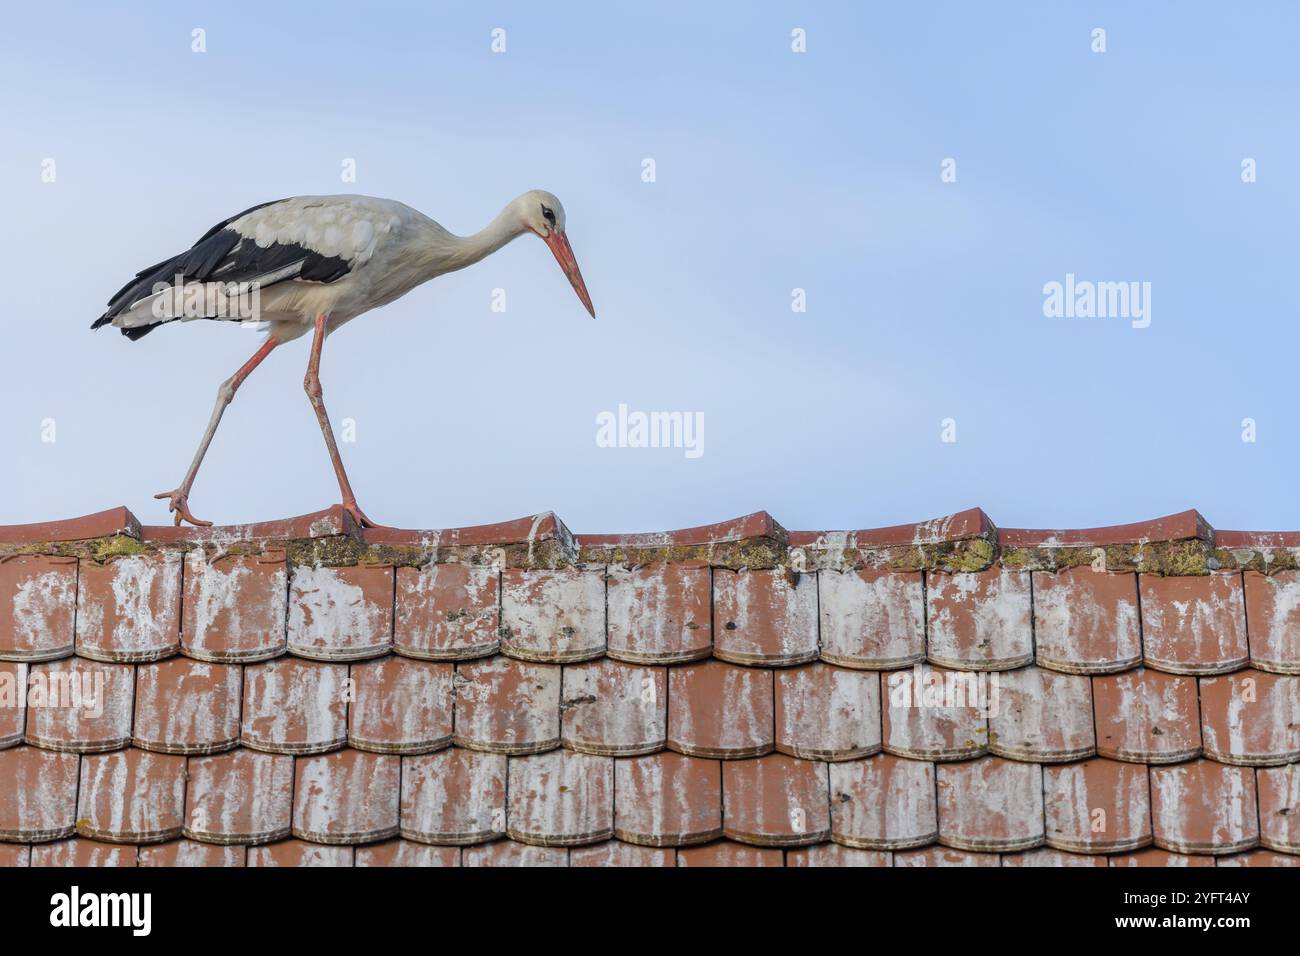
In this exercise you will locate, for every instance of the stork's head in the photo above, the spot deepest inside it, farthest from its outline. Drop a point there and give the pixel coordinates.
(543, 214)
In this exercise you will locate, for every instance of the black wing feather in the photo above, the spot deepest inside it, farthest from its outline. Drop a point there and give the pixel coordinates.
(222, 254)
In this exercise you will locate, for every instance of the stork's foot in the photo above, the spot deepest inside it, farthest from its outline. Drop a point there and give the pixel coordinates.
(178, 502)
(359, 516)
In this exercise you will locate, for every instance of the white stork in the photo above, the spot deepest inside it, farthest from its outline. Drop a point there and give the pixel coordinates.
(316, 262)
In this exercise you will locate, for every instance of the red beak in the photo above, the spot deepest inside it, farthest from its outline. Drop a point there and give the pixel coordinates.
(559, 244)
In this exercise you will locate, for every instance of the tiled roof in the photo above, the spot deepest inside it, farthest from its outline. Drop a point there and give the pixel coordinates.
(306, 693)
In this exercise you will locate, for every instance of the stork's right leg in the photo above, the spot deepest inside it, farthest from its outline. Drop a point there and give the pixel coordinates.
(179, 499)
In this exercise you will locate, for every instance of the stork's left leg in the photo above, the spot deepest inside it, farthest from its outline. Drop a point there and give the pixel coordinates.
(316, 395)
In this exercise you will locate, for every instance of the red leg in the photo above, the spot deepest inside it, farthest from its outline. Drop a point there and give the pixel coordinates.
(178, 500)
(316, 396)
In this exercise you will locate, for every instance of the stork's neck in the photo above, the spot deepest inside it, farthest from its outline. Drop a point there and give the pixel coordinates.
(449, 252)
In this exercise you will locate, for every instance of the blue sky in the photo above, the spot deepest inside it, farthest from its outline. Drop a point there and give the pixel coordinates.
(774, 170)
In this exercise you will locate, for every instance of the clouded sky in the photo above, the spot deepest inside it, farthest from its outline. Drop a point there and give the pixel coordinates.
(774, 171)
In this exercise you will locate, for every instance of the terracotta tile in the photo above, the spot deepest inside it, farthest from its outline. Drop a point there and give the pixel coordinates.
(1279, 808)
(667, 799)
(1086, 621)
(1194, 625)
(1055, 858)
(189, 853)
(766, 617)
(510, 853)
(614, 853)
(1204, 807)
(235, 607)
(346, 797)
(38, 794)
(447, 612)
(943, 856)
(131, 796)
(81, 853)
(659, 613)
(990, 804)
(980, 620)
(507, 706)
(1147, 717)
(1155, 857)
(832, 854)
(13, 702)
(293, 706)
(872, 618)
(1259, 858)
(1251, 718)
(129, 609)
(454, 796)
(80, 705)
(404, 853)
(239, 797)
(401, 706)
(38, 601)
(561, 799)
(341, 614)
(775, 801)
(553, 616)
(1097, 806)
(1041, 715)
(14, 855)
(1273, 619)
(724, 853)
(187, 707)
(299, 853)
(883, 803)
(827, 713)
(614, 709)
(717, 709)
(930, 713)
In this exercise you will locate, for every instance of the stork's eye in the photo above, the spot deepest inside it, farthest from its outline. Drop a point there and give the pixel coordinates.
(548, 215)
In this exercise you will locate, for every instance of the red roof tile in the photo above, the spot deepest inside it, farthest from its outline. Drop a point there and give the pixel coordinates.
(131, 796)
(447, 612)
(129, 608)
(346, 797)
(340, 614)
(1194, 625)
(401, 706)
(1147, 717)
(235, 607)
(1086, 621)
(240, 797)
(553, 616)
(507, 706)
(667, 799)
(40, 801)
(294, 706)
(561, 798)
(37, 606)
(614, 709)
(717, 709)
(464, 697)
(775, 801)
(872, 618)
(1273, 615)
(187, 707)
(990, 804)
(981, 620)
(659, 613)
(453, 797)
(827, 713)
